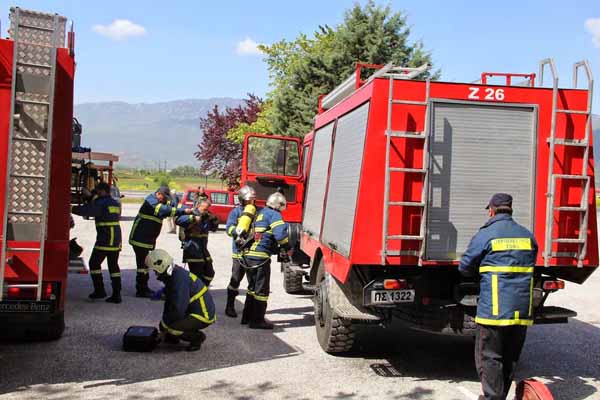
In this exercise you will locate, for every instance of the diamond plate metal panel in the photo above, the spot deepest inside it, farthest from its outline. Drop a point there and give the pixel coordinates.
(36, 27)
(28, 157)
(27, 196)
(34, 54)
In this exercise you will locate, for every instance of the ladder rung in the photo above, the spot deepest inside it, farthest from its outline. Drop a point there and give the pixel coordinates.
(25, 212)
(566, 176)
(414, 253)
(569, 240)
(14, 249)
(28, 176)
(416, 170)
(28, 64)
(404, 237)
(406, 134)
(29, 139)
(571, 142)
(407, 203)
(564, 254)
(570, 208)
(572, 112)
(42, 103)
(39, 28)
(410, 102)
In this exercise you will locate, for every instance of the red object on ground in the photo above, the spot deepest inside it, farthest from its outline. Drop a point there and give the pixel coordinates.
(531, 389)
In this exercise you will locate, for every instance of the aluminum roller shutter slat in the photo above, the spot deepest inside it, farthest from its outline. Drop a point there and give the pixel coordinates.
(476, 151)
(345, 177)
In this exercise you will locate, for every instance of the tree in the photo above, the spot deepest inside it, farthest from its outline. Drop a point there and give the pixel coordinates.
(261, 125)
(217, 154)
(305, 68)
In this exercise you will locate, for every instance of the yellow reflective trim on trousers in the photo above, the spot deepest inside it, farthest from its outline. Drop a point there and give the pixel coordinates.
(170, 330)
(276, 223)
(157, 209)
(142, 270)
(95, 271)
(150, 218)
(259, 297)
(198, 260)
(107, 248)
(112, 236)
(115, 223)
(503, 322)
(506, 244)
(193, 277)
(530, 296)
(114, 210)
(205, 320)
(258, 254)
(115, 275)
(495, 306)
(204, 309)
(140, 244)
(517, 270)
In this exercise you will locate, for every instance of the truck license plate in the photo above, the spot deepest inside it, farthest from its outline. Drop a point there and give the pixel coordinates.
(392, 296)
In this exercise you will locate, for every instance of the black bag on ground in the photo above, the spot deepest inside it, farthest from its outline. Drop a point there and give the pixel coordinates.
(140, 338)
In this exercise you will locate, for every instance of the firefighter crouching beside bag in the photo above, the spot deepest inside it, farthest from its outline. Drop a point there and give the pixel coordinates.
(195, 229)
(270, 238)
(239, 222)
(189, 307)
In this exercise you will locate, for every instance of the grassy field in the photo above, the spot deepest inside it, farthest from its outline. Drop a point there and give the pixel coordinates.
(133, 181)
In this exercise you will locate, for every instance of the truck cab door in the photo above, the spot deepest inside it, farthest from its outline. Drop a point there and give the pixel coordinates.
(271, 163)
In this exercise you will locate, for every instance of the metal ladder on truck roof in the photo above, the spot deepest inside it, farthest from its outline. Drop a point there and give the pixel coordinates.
(423, 170)
(583, 208)
(36, 38)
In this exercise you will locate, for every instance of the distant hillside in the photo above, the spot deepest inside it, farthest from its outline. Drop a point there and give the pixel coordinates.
(141, 134)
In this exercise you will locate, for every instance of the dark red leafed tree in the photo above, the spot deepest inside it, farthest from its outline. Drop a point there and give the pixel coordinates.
(217, 154)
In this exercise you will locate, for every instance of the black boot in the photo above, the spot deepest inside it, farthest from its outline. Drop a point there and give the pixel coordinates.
(196, 342)
(248, 306)
(99, 292)
(257, 320)
(230, 307)
(141, 286)
(116, 291)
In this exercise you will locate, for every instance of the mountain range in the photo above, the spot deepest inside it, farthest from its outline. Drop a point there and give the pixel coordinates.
(143, 134)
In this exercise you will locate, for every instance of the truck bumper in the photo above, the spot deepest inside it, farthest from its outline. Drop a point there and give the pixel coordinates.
(32, 326)
(553, 315)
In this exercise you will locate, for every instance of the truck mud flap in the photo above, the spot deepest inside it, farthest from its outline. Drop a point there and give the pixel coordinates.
(553, 315)
(345, 309)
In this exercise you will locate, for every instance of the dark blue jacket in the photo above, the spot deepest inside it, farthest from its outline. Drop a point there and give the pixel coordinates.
(186, 295)
(503, 253)
(148, 222)
(196, 228)
(271, 232)
(107, 213)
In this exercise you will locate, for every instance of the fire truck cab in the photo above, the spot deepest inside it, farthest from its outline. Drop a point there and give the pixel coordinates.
(392, 184)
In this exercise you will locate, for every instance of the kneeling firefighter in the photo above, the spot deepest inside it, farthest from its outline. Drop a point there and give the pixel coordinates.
(189, 307)
(270, 238)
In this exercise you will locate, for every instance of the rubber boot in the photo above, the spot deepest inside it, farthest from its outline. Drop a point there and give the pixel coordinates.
(230, 307)
(196, 342)
(99, 292)
(248, 306)
(116, 291)
(141, 286)
(257, 320)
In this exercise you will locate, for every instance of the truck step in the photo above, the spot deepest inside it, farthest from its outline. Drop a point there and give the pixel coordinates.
(566, 176)
(16, 249)
(564, 254)
(553, 315)
(28, 176)
(415, 170)
(572, 112)
(570, 208)
(356, 314)
(412, 253)
(29, 139)
(571, 142)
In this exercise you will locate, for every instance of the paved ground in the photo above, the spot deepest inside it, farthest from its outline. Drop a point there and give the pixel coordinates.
(237, 363)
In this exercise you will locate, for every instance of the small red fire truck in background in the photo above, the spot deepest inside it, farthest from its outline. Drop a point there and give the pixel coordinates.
(386, 192)
(36, 113)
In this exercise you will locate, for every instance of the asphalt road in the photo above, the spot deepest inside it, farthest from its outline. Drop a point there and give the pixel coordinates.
(238, 363)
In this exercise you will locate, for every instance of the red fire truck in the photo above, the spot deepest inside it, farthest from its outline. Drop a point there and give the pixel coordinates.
(397, 174)
(36, 112)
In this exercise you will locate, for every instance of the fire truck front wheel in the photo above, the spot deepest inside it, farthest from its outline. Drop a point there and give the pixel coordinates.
(335, 335)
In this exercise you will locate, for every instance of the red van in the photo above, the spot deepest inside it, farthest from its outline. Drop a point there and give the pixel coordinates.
(222, 201)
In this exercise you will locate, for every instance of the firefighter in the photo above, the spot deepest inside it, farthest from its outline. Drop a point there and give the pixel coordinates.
(176, 203)
(247, 209)
(189, 307)
(502, 255)
(195, 228)
(146, 228)
(270, 238)
(106, 212)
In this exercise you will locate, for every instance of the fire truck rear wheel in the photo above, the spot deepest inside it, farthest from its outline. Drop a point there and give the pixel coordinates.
(335, 335)
(292, 280)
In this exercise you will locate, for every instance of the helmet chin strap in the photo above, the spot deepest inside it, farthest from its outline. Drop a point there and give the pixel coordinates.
(169, 270)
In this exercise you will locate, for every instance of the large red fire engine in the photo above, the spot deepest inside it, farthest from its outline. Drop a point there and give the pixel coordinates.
(397, 174)
(36, 112)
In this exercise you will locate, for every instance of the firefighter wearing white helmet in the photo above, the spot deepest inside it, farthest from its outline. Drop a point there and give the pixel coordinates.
(270, 238)
(238, 226)
(189, 307)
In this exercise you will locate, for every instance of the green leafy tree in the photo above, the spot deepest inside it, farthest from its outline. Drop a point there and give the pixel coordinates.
(261, 125)
(302, 69)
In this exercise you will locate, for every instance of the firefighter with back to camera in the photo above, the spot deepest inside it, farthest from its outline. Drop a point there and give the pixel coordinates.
(146, 228)
(502, 255)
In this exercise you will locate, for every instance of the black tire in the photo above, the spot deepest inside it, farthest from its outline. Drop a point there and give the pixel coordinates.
(292, 280)
(335, 335)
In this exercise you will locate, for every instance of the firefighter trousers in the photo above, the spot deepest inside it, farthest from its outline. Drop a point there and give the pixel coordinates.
(203, 270)
(142, 276)
(187, 329)
(259, 279)
(497, 351)
(112, 259)
(237, 275)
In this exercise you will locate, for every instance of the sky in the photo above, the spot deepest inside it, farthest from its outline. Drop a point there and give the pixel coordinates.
(154, 51)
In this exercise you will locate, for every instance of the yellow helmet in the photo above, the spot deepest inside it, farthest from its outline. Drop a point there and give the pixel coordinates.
(158, 260)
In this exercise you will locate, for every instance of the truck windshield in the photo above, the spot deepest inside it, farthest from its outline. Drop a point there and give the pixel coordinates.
(272, 156)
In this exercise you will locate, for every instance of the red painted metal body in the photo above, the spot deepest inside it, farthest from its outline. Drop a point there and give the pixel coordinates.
(222, 201)
(367, 237)
(24, 268)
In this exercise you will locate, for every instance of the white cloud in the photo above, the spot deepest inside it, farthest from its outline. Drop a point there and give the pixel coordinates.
(247, 47)
(593, 26)
(120, 29)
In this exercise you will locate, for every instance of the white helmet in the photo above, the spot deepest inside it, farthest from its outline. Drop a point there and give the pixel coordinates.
(277, 201)
(246, 193)
(159, 260)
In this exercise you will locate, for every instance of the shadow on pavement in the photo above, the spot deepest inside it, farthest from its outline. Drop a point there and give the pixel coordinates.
(90, 350)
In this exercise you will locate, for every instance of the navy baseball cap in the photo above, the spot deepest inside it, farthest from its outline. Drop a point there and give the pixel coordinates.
(165, 190)
(500, 200)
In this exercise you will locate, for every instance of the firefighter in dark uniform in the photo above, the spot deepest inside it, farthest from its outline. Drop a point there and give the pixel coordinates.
(146, 228)
(196, 227)
(247, 209)
(189, 307)
(270, 238)
(107, 213)
(502, 254)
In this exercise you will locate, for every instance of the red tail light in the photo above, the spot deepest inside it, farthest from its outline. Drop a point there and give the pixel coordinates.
(13, 292)
(395, 284)
(553, 285)
(47, 291)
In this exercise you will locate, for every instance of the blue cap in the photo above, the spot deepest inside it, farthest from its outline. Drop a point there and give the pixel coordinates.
(500, 200)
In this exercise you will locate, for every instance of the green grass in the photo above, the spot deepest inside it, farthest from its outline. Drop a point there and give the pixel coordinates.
(129, 181)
